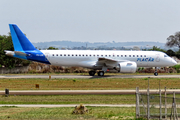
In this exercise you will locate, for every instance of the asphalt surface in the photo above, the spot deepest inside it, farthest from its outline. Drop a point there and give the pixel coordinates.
(85, 92)
(89, 77)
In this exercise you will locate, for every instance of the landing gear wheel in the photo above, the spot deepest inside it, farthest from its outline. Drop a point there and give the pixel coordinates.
(92, 73)
(101, 73)
(156, 74)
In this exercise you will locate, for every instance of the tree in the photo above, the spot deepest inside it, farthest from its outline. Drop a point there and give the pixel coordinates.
(174, 40)
(9, 62)
(170, 52)
(155, 48)
(52, 48)
(136, 48)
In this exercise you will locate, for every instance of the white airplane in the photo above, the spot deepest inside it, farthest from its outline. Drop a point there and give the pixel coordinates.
(103, 60)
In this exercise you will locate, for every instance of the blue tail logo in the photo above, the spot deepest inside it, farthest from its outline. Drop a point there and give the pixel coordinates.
(24, 49)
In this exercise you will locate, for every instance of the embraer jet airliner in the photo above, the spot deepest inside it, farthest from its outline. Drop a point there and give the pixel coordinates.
(103, 60)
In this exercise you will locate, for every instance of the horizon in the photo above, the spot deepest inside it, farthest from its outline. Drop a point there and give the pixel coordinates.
(99, 42)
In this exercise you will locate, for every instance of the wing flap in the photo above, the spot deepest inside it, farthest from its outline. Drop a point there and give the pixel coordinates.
(107, 59)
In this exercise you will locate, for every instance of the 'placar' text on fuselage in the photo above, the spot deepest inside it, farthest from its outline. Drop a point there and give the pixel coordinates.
(150, 59)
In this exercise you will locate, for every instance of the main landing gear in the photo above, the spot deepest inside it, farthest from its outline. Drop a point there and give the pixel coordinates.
(156, 73)
(100, 73)
(92, 73)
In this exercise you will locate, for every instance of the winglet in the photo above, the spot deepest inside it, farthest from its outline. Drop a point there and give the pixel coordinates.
(20, 41)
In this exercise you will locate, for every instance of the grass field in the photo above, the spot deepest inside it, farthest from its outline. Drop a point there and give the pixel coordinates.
(95, 113)
(69, 99)
(89, 84)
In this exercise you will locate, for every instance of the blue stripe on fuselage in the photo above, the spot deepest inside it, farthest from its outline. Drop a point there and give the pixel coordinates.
(37, 56)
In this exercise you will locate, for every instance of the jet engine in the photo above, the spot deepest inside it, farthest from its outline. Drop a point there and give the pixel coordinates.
(126, 67)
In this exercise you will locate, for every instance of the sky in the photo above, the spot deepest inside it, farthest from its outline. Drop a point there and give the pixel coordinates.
(92, 20)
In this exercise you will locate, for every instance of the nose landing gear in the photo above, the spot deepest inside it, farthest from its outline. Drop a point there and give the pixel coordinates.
(156, 73)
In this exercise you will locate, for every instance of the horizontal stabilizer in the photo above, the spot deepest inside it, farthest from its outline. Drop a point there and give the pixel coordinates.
(9, 53)
(20, 53)
(12, 53)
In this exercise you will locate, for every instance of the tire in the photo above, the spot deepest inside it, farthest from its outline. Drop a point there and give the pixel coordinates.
(155, 74)
(92, 73)
(101, 73)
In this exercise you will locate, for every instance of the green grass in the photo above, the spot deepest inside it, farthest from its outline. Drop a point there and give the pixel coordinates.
(88, 84)
(69, 99)
(95, 113)
(73, 99)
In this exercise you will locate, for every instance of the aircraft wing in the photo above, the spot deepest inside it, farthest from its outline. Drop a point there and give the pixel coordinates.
(107, 59)
(109, 62)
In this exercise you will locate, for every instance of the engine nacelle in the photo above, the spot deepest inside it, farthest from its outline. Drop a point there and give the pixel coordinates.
(126, 67)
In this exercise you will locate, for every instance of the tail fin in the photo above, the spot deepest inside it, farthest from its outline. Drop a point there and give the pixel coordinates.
(20, 41)
(23, 47)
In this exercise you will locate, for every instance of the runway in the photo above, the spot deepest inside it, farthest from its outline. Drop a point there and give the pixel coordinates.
(85, 92)
(88, 77)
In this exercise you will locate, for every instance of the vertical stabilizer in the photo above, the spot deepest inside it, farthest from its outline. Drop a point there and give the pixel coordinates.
(20, 41)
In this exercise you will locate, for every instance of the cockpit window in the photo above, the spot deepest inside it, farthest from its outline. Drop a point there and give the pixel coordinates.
(165, 55)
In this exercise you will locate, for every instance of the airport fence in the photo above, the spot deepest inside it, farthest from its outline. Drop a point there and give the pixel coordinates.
(153, 106)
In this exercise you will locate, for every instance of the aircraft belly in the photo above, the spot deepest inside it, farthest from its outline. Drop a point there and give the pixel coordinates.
(71, 62)
(63, 62)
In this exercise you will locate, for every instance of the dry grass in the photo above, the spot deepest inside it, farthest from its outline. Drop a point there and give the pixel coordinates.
(89, 84)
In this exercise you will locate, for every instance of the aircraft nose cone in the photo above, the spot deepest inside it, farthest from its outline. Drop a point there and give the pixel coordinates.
(174, 62)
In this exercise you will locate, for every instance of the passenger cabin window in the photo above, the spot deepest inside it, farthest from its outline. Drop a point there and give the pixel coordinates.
(97, 55)
(72, 55)
(165, 56)
(86, 55)
(64, 54)
(133, 55)
(89, 55)
(144, 55)
(129, 55)
(106, 55)
(52, 54)
(68, 54)
(79, 55)
(121, 55)
(137, 55)
(109, 55)
(76, 55)
(60, 54)
(101, 55)
(125, 55)
(113, 55)
(141, 55)
(117, 55)
(82, 55)
(94, 55)
(56, 54)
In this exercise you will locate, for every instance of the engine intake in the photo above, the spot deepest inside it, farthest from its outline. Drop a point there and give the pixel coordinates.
(126, 67)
